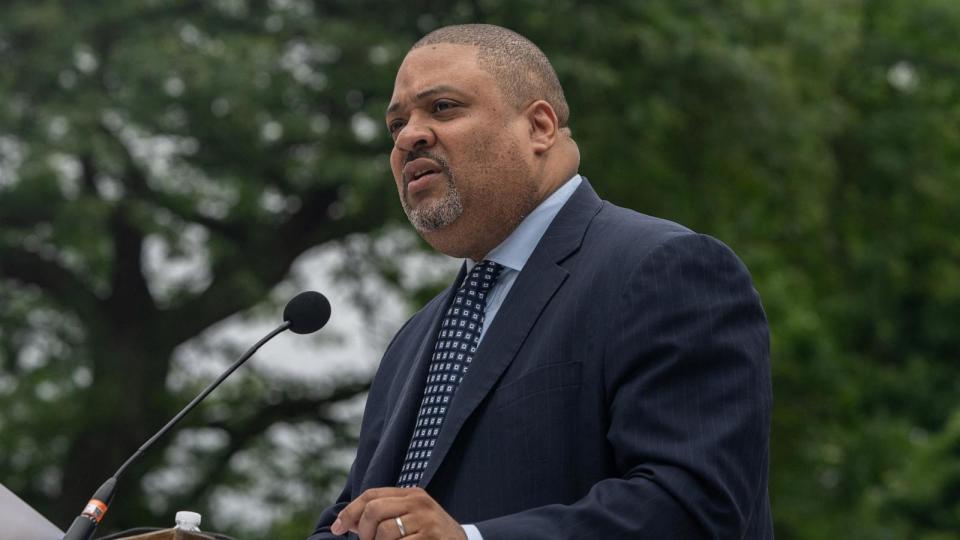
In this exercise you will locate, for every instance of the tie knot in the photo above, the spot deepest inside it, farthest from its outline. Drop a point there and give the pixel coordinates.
(483, 275)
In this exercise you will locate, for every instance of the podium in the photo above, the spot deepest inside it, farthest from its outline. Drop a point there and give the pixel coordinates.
(18, 521)
(170, 534)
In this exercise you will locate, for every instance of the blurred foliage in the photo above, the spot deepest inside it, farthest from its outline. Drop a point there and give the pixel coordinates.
(820, 139)
(162, 165)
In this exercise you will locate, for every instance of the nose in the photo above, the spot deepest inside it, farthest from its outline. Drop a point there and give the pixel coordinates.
(415, 135)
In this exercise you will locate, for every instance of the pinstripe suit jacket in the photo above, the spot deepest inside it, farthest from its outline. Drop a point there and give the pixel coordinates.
(623, 391)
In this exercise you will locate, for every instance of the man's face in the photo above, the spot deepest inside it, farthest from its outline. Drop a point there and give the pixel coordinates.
(459, 160)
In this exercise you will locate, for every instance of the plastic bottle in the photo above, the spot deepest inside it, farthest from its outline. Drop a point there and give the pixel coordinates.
(187, 521)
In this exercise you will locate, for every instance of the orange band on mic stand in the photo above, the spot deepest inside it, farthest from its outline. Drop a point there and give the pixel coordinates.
(95, 510)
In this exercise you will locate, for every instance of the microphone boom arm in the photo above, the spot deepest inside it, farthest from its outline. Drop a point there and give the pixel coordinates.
(200, 397)
(86, 523)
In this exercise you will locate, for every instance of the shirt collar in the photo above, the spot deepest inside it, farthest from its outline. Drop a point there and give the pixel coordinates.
(516, 248)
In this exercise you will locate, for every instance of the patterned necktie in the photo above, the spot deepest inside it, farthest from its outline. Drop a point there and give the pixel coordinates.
(452, 354)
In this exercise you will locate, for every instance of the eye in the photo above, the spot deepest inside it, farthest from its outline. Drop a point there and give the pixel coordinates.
(395, 126)
(442, 105)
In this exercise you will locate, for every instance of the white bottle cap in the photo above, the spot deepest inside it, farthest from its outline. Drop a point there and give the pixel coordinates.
(190, 519)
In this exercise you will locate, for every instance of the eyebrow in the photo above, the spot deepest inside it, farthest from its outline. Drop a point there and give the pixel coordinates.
(424, 94)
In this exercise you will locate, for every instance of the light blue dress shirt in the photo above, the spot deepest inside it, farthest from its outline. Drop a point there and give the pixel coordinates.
(513, 254)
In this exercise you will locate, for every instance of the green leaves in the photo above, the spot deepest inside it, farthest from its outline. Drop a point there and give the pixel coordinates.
(222, 140)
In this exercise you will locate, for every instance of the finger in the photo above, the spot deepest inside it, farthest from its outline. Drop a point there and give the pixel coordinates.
(390, 529)
(379, 518)
(348, 518)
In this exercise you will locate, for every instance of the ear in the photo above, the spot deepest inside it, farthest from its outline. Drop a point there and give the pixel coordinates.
(543, 126)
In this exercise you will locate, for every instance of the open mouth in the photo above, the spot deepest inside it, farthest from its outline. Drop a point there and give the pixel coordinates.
(421, 180)
(421, 174)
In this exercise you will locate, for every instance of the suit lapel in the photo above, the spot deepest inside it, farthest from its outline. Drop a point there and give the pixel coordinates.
(384, 467)
(540, 279)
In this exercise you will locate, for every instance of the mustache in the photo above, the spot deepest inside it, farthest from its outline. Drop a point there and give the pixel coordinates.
(417, 154)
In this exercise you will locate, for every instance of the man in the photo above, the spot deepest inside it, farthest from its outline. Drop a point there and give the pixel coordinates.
(592, 373)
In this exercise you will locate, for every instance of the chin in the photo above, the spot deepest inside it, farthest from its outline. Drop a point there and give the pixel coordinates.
(449, 241)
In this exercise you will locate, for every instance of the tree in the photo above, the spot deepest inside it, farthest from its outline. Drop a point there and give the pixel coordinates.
(228, 137)
(819, 139)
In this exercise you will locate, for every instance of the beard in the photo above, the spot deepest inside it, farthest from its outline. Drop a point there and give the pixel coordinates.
(497, 192)
(432, 215)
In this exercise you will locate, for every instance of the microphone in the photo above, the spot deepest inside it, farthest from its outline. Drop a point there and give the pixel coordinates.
(305, 313)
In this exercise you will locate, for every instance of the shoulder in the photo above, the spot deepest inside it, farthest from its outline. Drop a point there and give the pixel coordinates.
(623, 245)
(632, 228)
(632, 236)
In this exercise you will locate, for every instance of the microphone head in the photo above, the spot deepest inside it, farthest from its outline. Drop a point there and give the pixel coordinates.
(307, 312)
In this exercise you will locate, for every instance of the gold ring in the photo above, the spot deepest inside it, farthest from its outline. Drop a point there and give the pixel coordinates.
(403, 530)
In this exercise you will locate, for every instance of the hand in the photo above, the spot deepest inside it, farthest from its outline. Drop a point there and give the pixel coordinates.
(373, 515)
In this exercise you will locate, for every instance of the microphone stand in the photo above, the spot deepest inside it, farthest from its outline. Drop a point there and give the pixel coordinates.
(85, 524)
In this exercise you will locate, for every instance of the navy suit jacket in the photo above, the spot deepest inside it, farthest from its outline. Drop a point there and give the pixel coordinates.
(622, 391)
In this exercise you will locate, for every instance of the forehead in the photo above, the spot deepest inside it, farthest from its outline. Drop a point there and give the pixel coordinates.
(439, 65)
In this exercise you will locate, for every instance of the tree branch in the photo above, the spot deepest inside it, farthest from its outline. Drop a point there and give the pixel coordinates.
(64, 287)
(138, 185)
(238, 276)
(241, 432)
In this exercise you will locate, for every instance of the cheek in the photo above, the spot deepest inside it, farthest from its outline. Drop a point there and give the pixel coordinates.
(396, 167)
